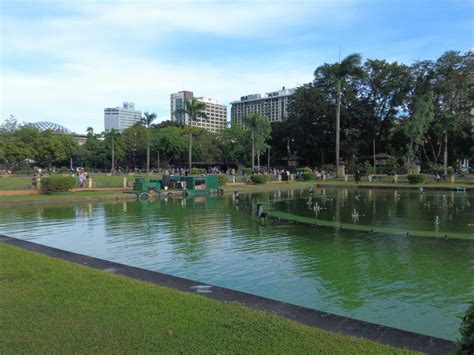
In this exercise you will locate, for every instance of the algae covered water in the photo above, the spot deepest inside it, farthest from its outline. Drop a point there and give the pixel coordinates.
(413, 283)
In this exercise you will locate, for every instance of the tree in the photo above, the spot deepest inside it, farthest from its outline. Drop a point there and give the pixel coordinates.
(451, 130)
(112, 138)
(350, 66)
(417, 125)
(233, 143)
(147, 120)
(135, 142)
(171, 142)
(260, 129)
(194, 109)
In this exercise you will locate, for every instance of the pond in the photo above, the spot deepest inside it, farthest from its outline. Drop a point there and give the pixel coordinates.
(419, 284)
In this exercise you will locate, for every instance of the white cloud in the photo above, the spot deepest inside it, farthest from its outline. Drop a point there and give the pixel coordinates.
(100, 56)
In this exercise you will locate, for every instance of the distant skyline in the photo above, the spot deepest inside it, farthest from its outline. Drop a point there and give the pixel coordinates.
(65, 61)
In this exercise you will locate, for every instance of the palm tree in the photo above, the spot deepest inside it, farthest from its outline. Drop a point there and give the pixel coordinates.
(147, 121)
(350, 66)
(194, 109)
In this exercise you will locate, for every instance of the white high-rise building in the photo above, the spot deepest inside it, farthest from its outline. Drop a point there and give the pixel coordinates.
(120, 118)
(216, 113)
(274, 106)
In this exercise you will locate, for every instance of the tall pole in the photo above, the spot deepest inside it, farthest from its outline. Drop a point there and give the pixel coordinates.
(113, 151)
(158, 160)
(268, 165)
(338, 124)
(373, 143)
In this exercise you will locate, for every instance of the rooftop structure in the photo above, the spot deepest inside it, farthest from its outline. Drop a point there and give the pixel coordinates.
(274, 105)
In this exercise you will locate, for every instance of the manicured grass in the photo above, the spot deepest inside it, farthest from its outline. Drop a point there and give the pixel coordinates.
(65, 197)
(340, 183)
(99, 180)
(49, 305)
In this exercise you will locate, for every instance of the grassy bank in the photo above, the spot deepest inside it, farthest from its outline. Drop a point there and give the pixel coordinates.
(65, 197)
(50, 305)
(332, 183)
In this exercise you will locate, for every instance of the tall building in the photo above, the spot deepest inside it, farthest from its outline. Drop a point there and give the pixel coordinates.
(274, 106)
(120, 118)
(216, 113)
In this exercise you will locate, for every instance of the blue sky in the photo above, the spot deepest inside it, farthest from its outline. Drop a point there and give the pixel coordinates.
(64, 61)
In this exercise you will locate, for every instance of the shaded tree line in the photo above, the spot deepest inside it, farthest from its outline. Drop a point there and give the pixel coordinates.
(419, 113)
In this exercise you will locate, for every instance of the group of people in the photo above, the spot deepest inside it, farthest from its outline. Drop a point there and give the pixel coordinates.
(38, 174)
(82, 176)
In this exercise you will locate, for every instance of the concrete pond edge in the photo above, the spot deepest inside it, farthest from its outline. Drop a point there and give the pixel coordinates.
(331, 322)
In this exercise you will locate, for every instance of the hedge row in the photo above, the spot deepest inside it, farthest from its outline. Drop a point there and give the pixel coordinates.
(259, 179)
(416, 178)
(57, 183)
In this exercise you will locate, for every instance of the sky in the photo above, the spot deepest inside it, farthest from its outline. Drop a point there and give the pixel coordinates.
(65, 61)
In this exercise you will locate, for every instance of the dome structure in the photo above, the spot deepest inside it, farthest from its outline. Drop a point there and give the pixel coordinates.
(51, 126)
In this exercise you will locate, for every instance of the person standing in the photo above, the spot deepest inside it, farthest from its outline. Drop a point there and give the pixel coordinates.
(357, 177)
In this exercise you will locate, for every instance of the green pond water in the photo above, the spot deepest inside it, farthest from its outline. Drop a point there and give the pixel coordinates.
(420, 284)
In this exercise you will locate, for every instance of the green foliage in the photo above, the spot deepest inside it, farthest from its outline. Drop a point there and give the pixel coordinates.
(367, 168)
(198, 171)
(416, 178)
(57, 183)
(259, 178)
(247, 171)
(172, 143)
(303, 170)
(309, 176)
(450, 171)
(222, 179)
(233, 143)
(63, 170)
(466, 342)
(260, 130)
(392, 166)
(329, 168)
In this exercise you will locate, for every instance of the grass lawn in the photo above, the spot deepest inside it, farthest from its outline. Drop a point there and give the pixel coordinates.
(65, 197)
(49, 305)
(99, 180)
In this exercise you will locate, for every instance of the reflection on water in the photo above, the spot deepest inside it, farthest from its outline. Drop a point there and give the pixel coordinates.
(418, 284)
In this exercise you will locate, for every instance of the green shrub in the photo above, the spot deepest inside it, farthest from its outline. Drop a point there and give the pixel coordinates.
(329, 168)
(57, 183)
(368, 169)
(198, 171)
(304, 170)
(222, 179)
(450, 171)
(247, 171)
(63, 170)
(259, 179)
(416, 178)
(352, 168)
(392, 166)
(308, 176)
(466, 343)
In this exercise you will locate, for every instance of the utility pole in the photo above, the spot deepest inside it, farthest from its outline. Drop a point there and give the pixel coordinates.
(268, 165)
(373, 142)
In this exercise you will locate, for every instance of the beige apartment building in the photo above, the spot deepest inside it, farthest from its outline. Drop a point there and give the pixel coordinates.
(274, 106)
(216, 113)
